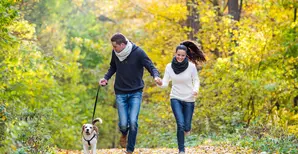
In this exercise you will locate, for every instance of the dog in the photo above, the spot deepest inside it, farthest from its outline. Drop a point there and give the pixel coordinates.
(89, 136)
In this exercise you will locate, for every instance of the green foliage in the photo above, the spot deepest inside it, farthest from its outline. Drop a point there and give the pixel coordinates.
(267, 143)
(254, 79)
(247, 85)
(7, 14)
(31, 133)
(52, 54)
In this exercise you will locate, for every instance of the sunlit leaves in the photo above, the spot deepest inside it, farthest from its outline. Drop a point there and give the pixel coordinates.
(260, 68)
(52, 58)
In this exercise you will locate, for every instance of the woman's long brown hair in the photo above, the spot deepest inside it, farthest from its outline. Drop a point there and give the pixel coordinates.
(194, 53)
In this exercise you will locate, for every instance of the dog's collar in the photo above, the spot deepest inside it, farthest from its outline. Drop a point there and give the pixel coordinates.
(95, 135)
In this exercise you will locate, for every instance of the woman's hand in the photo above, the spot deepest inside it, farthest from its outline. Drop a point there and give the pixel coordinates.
(195, 94)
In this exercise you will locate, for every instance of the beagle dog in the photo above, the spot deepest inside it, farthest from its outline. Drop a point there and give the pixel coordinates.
(89, 136)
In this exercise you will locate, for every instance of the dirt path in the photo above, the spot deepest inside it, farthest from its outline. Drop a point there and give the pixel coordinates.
(194, 150)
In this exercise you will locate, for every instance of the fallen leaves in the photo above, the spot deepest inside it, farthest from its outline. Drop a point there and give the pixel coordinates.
(191, 150)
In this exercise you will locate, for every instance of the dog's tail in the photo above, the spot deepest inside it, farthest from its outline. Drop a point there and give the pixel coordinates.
(96, 120)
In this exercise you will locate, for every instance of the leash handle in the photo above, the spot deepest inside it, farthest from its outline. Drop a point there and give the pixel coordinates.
(95, 103)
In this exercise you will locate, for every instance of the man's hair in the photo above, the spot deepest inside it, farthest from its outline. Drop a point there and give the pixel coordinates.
(119, 38)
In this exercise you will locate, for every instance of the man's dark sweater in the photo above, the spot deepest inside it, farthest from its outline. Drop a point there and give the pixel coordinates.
(129, 72)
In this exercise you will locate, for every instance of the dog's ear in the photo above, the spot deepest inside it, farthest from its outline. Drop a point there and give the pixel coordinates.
(95, 128)
(83, 128)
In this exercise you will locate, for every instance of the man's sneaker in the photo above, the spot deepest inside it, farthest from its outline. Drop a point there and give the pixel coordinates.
(182, 152)
(123, 141)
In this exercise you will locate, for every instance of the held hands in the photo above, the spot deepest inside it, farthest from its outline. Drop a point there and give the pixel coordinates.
(158, 81)
(103, 82)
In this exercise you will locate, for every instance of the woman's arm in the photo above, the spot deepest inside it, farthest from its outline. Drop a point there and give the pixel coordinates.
(166, 78)
(195, 80)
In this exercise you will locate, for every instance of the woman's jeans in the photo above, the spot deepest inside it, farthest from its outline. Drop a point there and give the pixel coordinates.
(128, 111)
(183, 112)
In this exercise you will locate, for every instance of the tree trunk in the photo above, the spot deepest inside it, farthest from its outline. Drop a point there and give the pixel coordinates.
(233, 8)
(295, 14)
(235, 11)
(251, 104)
(192, 19)
(2, 133)
(296, 103)
(240, 9)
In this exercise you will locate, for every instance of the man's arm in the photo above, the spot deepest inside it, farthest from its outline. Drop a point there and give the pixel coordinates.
(147, 63)
(112, 68)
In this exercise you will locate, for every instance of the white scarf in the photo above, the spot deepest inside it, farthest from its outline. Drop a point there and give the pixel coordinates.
(125, 52)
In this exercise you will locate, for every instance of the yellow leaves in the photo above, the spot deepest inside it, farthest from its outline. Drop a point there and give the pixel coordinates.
(78, 3)
(260, 36)
(225, 92)
(148, 120)
(77, 40)
(76, 54)
(223, 63)
(174, 12)
(13, 147)
(293, 60)
(294, 118)
(212, 37)
(293, 128)
(22, 29)
(165, 31)
(294, 24)
(204, 19)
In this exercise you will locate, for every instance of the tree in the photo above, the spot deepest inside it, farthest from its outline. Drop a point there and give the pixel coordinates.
(193, 20)
(234, 9)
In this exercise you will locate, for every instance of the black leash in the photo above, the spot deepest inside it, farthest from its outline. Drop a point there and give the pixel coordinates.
(95, 103)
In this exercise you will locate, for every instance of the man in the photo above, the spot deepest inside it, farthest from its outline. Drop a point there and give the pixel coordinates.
(128, 62)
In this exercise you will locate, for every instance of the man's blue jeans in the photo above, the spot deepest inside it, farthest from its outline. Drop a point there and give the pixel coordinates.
(183, 112)
(128, 111)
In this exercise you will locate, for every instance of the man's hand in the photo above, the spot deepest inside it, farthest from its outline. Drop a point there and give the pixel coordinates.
(103, 82)
(158, 81)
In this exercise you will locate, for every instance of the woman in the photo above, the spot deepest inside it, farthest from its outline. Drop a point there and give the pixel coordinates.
(182, 72)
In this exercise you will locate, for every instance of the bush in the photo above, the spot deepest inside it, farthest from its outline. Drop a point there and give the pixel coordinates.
(28, 133)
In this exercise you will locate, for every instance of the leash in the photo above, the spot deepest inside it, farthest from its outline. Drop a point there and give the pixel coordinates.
(95, 103)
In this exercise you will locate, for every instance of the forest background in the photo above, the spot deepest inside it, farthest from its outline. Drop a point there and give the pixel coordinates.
(53, 53)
